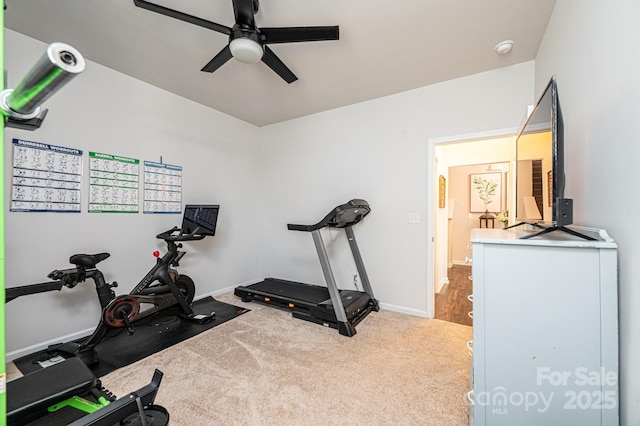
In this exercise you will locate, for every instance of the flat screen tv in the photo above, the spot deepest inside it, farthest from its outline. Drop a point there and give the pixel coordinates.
(202, 217)
(540, 177)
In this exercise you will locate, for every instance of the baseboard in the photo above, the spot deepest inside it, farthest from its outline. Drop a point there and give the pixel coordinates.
(404, 310)
(226, 289)
(10, 356)
(442, 283)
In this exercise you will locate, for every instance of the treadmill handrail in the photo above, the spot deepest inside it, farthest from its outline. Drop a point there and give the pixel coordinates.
(359, 208)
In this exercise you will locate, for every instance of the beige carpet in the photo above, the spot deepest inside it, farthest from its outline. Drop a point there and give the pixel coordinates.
(266, 368)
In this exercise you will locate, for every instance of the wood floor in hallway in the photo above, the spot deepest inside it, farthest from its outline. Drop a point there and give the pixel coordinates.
(452, 304)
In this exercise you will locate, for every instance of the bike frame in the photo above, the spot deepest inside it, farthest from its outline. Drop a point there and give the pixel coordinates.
(161, 272)
(162, 296)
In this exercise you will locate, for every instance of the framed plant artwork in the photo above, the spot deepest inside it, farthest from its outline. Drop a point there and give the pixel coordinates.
(486, 192)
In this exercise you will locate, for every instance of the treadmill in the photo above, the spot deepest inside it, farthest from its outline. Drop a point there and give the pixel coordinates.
(328, 306)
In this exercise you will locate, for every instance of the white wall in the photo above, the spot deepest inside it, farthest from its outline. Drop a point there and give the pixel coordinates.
(105, 111)
(592, 46)
(375, 150)
(264, 178)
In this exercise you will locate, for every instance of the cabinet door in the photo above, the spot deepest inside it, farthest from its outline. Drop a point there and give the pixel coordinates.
(540, 309)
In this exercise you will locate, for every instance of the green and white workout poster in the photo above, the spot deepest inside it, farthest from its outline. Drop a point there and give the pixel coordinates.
(113, 183)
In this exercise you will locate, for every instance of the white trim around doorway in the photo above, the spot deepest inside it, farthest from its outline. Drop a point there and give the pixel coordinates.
(431, 195)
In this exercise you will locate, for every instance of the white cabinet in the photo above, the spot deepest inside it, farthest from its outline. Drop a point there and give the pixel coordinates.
(545, 329)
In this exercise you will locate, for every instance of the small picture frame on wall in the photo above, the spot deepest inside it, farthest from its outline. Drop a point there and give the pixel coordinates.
(442, 191)
(549, 188)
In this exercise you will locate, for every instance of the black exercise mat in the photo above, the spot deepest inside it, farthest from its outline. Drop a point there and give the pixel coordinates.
(151, 335)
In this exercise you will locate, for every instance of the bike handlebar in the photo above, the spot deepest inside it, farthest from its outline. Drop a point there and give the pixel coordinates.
(169, 235)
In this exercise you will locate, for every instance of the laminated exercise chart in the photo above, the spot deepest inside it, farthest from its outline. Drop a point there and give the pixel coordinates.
(113, 183)
(162, 188)
(46, 178)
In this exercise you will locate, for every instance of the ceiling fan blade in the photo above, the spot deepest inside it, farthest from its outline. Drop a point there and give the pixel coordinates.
(298, 34)
(219, 60)
(182, 16)
(243, 12)
(278, 66)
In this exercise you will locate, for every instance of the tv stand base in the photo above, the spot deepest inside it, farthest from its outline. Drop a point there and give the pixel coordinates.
(558, 228)
(537, 225)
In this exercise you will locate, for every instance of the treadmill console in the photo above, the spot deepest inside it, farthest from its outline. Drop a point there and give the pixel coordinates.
(349, 214)
(343, 216)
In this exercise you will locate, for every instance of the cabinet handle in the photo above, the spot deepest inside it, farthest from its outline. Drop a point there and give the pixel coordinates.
(470, 313)
(468, 259)
(470, 346)
(470, 297)
(470, 277)
(471, 397)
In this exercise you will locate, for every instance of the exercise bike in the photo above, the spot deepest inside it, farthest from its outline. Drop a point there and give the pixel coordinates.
(162, 287)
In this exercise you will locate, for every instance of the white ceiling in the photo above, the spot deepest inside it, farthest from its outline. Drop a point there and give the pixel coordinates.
(385, 47)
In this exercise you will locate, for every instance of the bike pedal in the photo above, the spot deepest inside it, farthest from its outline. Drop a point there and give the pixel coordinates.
(202, 318)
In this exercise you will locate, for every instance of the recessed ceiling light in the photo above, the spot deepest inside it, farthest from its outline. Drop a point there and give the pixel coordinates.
(504, 47)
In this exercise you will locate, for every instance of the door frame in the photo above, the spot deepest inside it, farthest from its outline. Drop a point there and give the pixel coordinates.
(432, 194)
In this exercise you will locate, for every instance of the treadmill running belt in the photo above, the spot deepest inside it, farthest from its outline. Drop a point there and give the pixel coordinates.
(293, 290)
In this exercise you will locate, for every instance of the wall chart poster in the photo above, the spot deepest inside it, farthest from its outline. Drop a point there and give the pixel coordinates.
(162, 188)
(113, 183)
(46, 178)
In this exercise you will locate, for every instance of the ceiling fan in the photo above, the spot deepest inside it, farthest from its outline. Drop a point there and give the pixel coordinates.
(247, 42)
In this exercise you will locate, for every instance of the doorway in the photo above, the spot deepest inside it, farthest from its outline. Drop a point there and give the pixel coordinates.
(453, 161)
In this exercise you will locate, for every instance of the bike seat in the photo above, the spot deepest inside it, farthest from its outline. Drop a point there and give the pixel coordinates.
(88, 260)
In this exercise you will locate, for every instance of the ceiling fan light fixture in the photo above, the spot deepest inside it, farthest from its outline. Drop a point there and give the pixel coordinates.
(246, 50)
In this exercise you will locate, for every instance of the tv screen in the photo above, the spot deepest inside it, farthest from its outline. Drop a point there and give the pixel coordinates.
(201, 216)
(540, 174)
